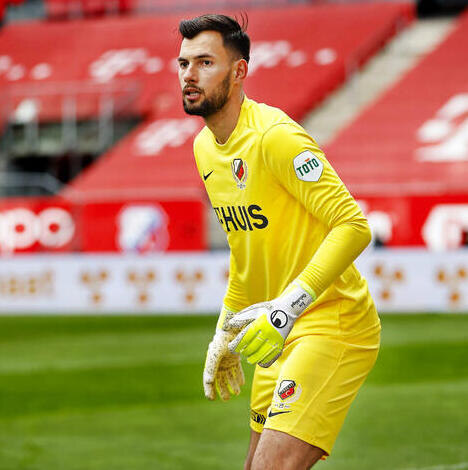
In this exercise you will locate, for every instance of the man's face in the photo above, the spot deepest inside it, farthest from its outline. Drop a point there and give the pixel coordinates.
(205, 68)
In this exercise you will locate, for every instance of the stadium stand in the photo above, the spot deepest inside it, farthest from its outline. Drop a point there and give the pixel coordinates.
(105, 50)
(118, 63)
(405, 155)
(65, 9)
(281, 60)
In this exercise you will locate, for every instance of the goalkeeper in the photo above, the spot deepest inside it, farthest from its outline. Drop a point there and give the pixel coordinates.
(295, 304)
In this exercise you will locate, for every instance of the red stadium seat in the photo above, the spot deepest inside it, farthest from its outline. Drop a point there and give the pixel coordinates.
(407, 154)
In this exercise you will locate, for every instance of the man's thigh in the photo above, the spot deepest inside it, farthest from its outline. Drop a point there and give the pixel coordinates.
(254, 438)
(308, 392)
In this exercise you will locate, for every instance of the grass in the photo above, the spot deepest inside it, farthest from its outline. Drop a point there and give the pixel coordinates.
(124, 393)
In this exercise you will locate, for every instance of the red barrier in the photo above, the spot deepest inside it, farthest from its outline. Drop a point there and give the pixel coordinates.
(143, 226)
(36, 224)
(57, 225)
(146, 225)
(437, 222)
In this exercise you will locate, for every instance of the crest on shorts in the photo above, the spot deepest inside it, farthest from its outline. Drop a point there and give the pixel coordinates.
(289, 390)
(239, 171)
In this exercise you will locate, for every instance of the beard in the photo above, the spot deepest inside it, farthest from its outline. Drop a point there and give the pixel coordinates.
(211, 104)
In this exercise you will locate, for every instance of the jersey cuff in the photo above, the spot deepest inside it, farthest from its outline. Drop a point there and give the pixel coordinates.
(307, 288)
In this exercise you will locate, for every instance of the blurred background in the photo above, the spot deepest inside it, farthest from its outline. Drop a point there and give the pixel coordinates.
(113, 264)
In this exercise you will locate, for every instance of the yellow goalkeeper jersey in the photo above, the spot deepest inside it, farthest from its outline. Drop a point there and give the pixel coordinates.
(287, 216)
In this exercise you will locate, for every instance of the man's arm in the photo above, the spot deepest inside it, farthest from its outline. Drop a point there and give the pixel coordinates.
(223, 374)
(302, 169)
(234, 299)
(286, 148)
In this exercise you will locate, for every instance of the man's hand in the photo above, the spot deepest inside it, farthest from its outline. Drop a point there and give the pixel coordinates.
(265, 326)
(223, 371)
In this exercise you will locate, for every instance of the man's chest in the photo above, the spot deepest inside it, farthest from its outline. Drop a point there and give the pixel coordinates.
(239, 187)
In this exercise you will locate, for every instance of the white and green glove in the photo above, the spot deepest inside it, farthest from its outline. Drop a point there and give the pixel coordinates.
(266, 325)
(223, 370)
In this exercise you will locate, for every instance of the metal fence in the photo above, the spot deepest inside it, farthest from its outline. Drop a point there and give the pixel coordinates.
(57, 120)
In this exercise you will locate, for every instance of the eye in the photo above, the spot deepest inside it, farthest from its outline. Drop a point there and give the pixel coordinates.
(207, 62)
(183, 64)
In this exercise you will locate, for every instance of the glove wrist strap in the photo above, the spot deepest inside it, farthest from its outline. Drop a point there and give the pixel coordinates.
(296, 299)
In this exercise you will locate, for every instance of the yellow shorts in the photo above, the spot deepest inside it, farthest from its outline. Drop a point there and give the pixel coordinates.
(307, 392)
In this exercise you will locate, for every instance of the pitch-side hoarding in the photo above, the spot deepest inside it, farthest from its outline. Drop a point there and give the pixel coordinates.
(403, 280)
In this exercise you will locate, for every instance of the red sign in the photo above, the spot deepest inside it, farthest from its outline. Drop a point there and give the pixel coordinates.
(39, 224)
(143, 226)
(57, 225)
(437, 222)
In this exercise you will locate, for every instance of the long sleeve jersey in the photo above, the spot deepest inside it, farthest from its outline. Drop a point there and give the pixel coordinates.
(287, 216)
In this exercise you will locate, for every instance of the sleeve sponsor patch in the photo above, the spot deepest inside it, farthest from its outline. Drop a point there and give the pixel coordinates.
(308, 167)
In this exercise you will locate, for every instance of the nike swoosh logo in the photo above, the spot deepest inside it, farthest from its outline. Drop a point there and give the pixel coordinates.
(205, 177)
(271, 414)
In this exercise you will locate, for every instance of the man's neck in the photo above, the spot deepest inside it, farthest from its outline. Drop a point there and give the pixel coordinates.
(223, 123)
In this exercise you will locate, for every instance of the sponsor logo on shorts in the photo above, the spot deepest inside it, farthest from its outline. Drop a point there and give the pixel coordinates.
(257, 417)
(279, 319)
(274, 413)
(286, 389)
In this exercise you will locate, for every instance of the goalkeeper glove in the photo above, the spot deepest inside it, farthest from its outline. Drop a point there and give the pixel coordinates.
(266, 325)
(223, 370)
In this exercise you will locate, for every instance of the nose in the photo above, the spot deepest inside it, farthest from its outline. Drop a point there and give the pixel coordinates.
(189, 74)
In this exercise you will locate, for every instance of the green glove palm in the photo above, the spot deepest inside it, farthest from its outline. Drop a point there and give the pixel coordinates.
(265, 326)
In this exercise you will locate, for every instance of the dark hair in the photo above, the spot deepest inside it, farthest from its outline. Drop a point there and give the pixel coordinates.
(234, 35)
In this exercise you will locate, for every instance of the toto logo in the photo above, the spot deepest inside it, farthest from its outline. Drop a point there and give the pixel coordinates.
(21, 228)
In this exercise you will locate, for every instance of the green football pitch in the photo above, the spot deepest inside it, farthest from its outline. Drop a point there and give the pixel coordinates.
(124, 393)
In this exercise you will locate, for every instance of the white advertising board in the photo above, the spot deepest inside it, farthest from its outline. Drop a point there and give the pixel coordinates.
(400, 281)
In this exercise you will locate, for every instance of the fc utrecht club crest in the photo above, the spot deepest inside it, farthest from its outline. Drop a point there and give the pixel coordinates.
(239, 171)
(289, 390)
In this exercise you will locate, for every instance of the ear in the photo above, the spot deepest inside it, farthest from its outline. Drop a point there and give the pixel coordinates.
(240, 69)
